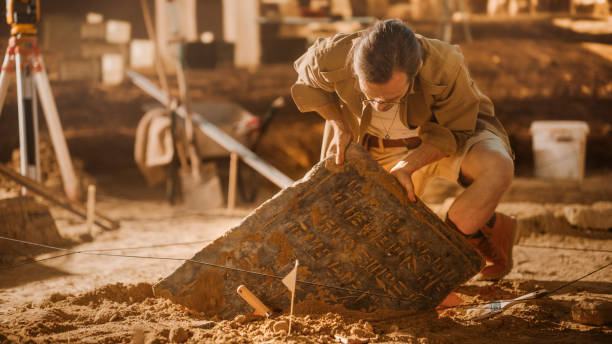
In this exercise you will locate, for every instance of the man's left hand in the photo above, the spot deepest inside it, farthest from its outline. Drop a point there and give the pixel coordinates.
(424, 154)
(403, 173)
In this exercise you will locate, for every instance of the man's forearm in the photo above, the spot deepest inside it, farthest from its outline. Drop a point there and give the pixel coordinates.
(424, 154)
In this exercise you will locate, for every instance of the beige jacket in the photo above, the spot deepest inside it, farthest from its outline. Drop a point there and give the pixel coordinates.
(443, 102)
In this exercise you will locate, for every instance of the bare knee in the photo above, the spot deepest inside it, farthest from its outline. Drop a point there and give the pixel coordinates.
(500, 170)
(493, 167)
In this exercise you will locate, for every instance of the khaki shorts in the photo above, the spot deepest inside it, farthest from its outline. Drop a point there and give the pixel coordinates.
(448, 168)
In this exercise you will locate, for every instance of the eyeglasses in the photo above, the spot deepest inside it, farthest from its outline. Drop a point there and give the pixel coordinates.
(396, 101)
(381, 102)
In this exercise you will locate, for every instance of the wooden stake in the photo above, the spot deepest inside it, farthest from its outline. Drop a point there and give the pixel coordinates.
(233, 174)
(251, 299)
(292, 299)
(91, 207)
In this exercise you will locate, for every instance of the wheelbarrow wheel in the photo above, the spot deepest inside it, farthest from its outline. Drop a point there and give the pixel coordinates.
(247, 182)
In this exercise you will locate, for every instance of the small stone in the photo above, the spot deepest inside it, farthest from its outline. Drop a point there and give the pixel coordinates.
(156, 340)
(103, 316)
(368, 327)
(241, 319)
(393, 328)
(280, 326)
(179, 335)
(206, 325)
(164, 333)
(592, 312)
(357, 332)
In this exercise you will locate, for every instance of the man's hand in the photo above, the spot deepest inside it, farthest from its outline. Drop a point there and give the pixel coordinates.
(403, 173)
(342, 136)
(423, 155)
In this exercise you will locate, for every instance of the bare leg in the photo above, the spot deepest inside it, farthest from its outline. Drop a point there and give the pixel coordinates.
(488, 170)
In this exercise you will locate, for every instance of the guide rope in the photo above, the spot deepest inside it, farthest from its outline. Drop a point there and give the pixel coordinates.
(97, 252)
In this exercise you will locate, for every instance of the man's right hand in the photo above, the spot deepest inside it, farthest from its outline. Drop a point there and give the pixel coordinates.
(341, 138)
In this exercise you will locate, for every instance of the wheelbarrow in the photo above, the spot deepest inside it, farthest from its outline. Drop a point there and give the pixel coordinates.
(243, 126)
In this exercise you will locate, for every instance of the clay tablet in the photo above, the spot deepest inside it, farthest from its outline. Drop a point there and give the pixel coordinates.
(351, 227)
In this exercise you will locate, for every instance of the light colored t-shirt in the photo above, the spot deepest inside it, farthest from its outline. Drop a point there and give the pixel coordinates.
(388, 122)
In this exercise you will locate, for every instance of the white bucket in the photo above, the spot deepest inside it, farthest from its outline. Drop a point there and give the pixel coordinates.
(113, 69)
(559, 149)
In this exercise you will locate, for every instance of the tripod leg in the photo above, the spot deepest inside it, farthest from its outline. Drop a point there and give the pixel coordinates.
(35, 121)
(5, 79)
(26, 133)
(71, 184)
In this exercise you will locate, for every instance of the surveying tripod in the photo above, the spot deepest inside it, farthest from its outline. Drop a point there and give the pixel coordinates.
(24, 59)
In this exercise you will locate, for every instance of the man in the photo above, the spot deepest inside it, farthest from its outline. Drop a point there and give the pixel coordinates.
(412, 104)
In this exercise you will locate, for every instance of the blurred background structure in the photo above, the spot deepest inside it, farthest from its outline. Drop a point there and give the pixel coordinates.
(538, 60)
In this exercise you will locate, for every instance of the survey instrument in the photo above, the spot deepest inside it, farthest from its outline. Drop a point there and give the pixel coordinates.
(23, 58)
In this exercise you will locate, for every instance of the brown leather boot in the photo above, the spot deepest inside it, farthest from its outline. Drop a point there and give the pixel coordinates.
(494, 241)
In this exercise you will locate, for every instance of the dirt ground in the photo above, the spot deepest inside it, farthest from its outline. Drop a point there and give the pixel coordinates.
(530, 69)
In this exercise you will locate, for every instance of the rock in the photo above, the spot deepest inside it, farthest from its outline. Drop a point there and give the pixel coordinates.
(156, 340)
(206, 325)
(103, 316)
(361, 333)
(280, 326)
(179, 335)
(240, 319)
(350, 226)
(368, 327)
(595, 216)
(592, 311)
(138, 336)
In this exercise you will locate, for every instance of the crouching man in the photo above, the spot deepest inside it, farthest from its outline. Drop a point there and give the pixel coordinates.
(410, 101)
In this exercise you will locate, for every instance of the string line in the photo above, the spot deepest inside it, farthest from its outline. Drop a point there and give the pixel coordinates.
(96, 253)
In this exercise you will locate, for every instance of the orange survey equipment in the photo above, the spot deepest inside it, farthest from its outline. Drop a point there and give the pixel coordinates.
(22, 15)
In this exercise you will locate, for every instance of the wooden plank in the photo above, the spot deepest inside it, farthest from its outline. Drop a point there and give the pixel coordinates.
(351, 227)
(73, 207)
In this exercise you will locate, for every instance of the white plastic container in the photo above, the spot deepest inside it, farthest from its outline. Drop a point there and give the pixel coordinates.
(559, 149)
(113, 69)
(142, 53)
(118, 32)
